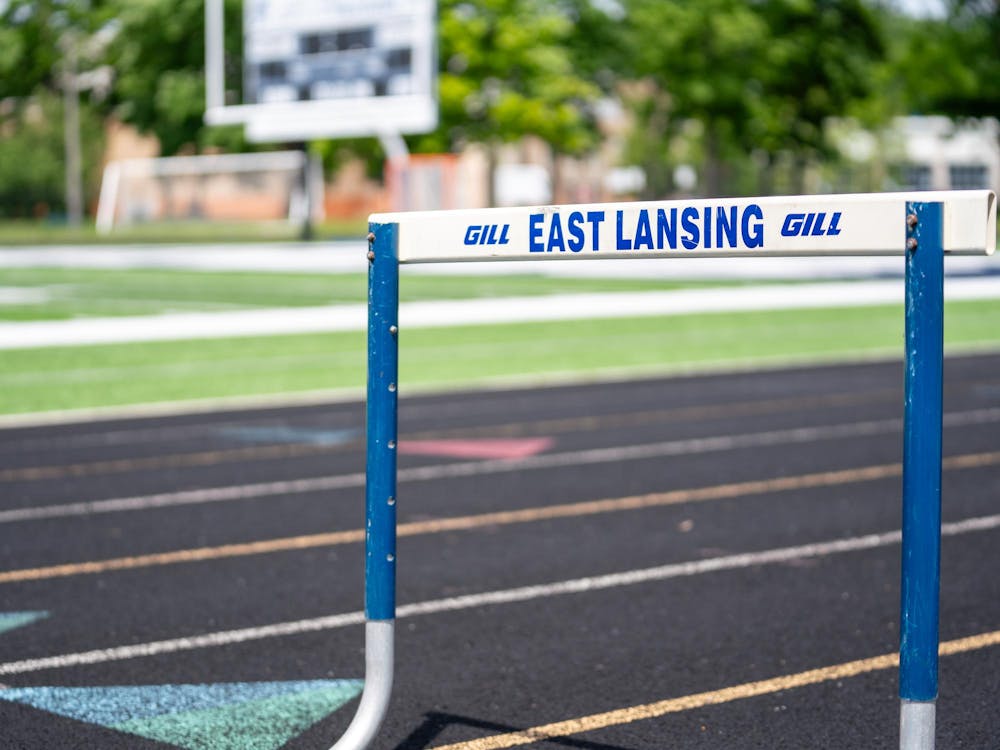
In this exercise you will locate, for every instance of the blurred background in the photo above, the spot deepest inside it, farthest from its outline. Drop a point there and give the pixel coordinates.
(539, 101)
(168, 157)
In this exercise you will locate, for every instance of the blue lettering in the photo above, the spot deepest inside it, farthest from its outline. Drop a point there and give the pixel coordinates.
(535, 233)
(575, 229)
(793, 225)
(622, 244)
(595, 218)
(708, 226)
(753, 235)
(643, 232)
(486, 234)
(724, 227)
(689, 217)
(666, 229)
(555, 236)
(811, 225)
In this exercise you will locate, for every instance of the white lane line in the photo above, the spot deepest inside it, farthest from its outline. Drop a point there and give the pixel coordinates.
(505, 596)
(479, 311)
(475, 468)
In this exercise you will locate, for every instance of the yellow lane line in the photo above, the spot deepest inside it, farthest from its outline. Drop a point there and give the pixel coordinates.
(574, 424)
(713, 697)
(499, 518)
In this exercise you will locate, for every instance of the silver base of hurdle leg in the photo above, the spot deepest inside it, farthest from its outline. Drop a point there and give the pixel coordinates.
(378, 686)
(916, 725)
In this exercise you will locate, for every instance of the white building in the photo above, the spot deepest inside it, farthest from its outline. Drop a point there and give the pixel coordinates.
(943, 154)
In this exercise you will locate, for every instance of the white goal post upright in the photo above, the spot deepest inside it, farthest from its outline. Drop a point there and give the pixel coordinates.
(923, 228)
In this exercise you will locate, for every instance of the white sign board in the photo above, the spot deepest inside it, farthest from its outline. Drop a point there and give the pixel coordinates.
(870, 224)
(325, 68)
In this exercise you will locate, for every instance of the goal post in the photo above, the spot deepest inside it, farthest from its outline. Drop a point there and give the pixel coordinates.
(265, 186)
(922, 227)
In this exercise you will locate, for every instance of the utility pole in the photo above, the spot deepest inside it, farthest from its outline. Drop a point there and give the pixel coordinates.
(71, 130)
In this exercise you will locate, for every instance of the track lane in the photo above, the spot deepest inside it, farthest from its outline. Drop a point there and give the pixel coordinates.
(521, 664)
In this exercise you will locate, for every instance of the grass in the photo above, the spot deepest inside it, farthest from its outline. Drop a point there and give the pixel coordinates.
(27, 232)
(72, 292)
(76, 377)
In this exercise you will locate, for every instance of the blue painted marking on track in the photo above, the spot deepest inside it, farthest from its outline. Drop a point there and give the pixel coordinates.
(225, 716)
(279, 434)
(11, 620)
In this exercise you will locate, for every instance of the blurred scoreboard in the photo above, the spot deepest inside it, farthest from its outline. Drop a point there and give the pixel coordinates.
(304, 50)
(327, 68)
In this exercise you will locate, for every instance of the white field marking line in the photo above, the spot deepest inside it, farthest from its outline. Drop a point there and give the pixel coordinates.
(504, 596)
(444, 313)
(474, 468)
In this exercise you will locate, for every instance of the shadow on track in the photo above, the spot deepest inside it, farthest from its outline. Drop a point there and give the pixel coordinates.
(436, 722)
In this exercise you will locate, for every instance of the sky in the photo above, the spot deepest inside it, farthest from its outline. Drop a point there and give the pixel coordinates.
(922, 7)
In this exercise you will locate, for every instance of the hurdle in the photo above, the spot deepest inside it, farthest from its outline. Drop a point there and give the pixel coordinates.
(923, 227)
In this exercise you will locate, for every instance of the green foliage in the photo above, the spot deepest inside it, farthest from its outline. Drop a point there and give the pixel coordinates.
(761, 76)
(35, 36)
(32, 172)
(29, 51)
(159, 58)
(745, 89)
(817, 65)
(335, 153)
(506, 72)
(950, 65)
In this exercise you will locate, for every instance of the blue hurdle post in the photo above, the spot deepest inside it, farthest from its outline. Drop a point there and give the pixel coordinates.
(383, 369)
(380, 485)
(921, 557)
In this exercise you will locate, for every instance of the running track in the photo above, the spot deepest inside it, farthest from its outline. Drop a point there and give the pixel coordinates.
(716, 553)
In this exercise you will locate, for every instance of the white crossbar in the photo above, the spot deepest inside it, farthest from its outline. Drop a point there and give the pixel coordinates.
(863, 224)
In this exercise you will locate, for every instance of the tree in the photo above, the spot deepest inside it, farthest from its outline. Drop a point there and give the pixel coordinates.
(506, 72)
(29, 43)
(703, 56)
(818, 65)
(598, 44)
(159, 56)
(951, 65)
(758, 76)
(43, 43)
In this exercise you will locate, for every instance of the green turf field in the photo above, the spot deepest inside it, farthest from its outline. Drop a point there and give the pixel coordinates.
(63, 293)
(32, 232)
(77, 377)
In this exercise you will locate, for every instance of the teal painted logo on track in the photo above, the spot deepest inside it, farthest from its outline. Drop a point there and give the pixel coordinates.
(282, 434)
(11, 620)
(224, 716)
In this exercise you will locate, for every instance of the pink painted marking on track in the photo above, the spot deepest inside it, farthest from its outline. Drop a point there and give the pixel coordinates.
(488, 449)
